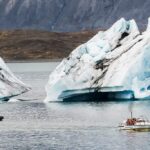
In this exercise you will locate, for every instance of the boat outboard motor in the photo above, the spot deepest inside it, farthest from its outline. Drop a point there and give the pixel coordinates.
(1, 118)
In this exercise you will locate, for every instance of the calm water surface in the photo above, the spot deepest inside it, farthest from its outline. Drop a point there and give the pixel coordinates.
(66, 126)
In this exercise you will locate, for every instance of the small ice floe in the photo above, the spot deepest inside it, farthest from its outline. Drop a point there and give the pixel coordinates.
(13, 100)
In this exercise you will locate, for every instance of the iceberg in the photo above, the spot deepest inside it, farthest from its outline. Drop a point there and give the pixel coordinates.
(114, 64)
(10, 86)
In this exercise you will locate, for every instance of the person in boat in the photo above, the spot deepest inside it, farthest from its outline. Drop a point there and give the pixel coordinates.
(131, 121)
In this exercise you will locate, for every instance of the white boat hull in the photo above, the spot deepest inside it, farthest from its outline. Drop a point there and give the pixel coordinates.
(136, 128)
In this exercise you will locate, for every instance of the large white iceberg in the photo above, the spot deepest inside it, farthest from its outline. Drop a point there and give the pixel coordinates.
(10, 86)
(113, 64)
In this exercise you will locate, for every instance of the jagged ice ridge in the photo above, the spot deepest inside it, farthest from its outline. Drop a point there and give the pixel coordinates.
(114, 63)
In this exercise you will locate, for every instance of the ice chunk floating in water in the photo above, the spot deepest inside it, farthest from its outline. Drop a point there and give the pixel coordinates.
(10, 86)
(114, 64)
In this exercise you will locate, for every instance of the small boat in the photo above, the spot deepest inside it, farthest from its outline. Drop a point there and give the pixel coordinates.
(135, 124)
(1, 118)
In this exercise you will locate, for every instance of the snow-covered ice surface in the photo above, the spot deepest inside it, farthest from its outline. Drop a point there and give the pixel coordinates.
(10, 86)
(116, 60)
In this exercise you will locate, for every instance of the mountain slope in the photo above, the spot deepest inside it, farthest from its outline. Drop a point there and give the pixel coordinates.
(32, 44)
(70, 15)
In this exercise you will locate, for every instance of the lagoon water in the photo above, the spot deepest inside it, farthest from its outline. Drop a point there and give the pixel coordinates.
(34, 125)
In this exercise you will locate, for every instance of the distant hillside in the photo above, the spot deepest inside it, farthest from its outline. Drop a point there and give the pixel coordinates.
(70, 15)
(33, 45)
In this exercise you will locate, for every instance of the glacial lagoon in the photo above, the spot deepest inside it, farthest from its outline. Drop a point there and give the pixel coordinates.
(32, 124)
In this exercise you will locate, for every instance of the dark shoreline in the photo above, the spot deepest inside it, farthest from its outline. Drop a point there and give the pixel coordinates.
(33, 61)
